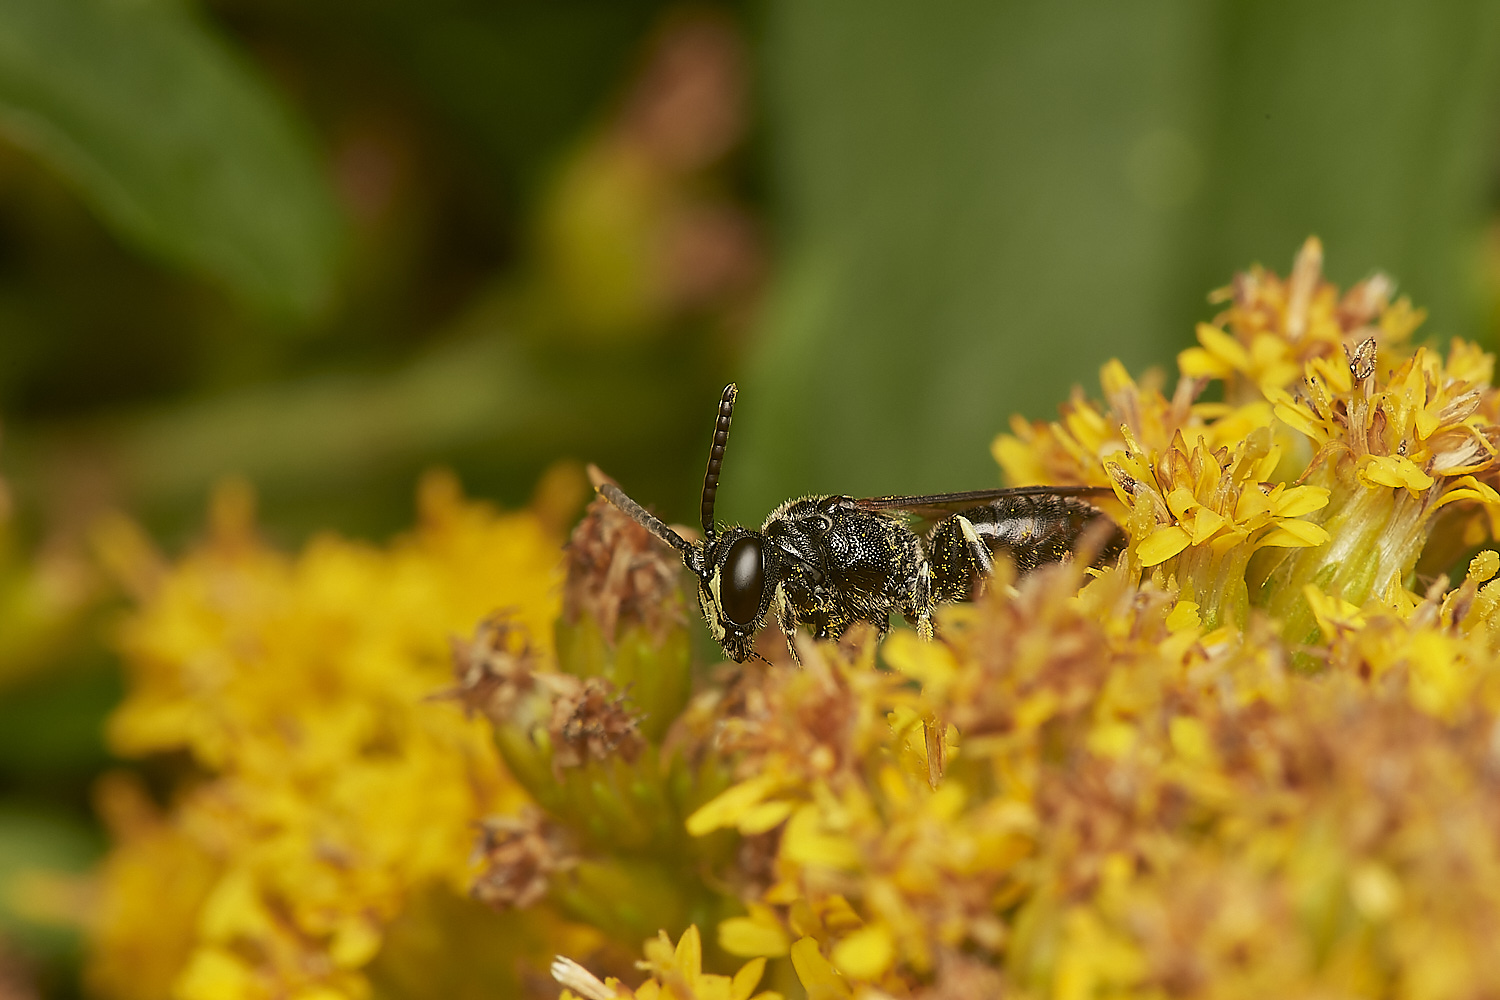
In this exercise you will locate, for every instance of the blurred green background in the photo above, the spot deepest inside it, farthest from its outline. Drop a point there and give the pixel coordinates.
(326, 244)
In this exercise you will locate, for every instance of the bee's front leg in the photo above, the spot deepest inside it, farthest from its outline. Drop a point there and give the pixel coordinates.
(787, 619)
(791, 643)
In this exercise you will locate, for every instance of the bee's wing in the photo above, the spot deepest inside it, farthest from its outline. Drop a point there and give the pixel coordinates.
(935, 506)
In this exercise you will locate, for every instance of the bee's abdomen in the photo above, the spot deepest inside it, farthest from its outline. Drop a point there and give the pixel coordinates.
(1030, 530)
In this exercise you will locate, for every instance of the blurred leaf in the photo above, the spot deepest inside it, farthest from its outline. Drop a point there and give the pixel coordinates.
(964, 241)
(54, 725)
(174, 140)
(344, 448)
(1376, 131)
(982, 208)
(521, 78)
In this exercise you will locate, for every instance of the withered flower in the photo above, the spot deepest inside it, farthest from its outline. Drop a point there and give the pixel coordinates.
(517, 855)
(620, 576)
(591, 721)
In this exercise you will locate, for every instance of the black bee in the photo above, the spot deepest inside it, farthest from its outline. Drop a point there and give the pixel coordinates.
(825, 562)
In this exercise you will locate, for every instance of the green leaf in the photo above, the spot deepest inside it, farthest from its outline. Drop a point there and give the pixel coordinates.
(174, 140)
(981, 208)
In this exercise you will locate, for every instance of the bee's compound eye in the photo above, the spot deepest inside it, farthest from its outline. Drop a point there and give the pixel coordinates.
(742, 580)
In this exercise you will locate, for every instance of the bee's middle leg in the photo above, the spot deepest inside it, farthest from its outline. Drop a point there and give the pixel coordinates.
(920, 610)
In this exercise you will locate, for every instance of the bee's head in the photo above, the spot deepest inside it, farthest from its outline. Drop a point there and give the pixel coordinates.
(734, 588)
(730, 566)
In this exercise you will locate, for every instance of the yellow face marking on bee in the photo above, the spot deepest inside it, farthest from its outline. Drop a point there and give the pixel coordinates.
(711, 608)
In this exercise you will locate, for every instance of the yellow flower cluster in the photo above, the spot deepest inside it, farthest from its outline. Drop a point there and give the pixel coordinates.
(320, 787)
(1255, 757)
(676, 974)
(1251, 760)
(1337, 448)
(1134, 807)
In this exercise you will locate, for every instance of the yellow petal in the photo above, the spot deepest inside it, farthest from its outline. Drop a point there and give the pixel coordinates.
(1252, 503)
(1019, 459)
(1191, 740)
(1298, 418)
(1395, 471)
(1183, 617)
(753, 936)
(1181, 500)
(1468, 488)
(1299, 500)
(929, 663)
(1111, 739)
(1331, 612)
(820, 979)
(1206, 523)
(866, 954)
(355, 942)
(766, 816)
(805, 841)
(1295, 534)
(1114, 377)
(1226, 540)
(1223, 346)
(1267, 465)
(1195, 362)
(215, 972)
(726, 808)
(689, 956)
(1375, 891)
(747, 979)
(1163, 544)
(1427, 422)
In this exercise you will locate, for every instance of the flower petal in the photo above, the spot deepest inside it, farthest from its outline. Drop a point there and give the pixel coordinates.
(1163, 544)
(1300, 500)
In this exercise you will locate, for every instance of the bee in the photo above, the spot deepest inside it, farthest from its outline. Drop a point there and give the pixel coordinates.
(825, 562)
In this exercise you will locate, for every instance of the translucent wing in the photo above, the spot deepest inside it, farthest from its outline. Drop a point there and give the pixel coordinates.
(939, 505)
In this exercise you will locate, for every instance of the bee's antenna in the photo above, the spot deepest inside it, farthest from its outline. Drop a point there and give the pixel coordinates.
(716, 459)
(611, 491)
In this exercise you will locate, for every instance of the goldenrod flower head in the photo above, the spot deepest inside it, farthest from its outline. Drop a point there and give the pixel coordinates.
(1272, 329)
(1198, 515)
(333, 787)
(676, 974)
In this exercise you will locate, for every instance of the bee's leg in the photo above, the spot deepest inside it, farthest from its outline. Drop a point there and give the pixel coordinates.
(791, 643)
(978, 551)
(787, 621)
(921, 601)
(961, 561)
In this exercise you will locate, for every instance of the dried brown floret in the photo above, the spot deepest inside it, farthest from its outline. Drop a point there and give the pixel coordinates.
(519, 854)
(809, 717)
(591, 721)
(587, 719)
(495, 669)
(619, 575)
